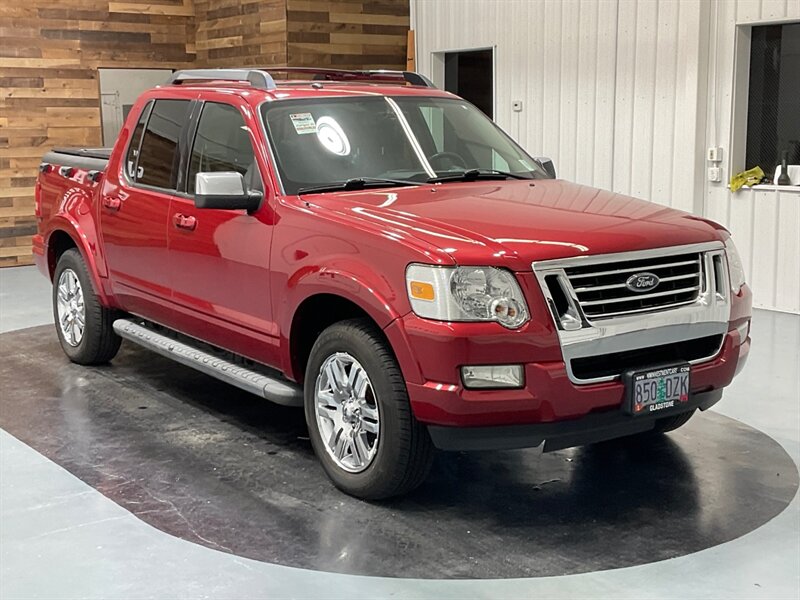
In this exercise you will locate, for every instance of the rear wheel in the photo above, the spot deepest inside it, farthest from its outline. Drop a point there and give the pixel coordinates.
(84, 325)
(358, 414)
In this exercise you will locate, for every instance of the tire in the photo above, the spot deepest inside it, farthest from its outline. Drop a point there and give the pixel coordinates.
(401, 449)
(96, 343)
(668, 424)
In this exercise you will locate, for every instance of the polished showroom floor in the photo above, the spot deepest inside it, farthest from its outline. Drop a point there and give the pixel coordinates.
(144, 479)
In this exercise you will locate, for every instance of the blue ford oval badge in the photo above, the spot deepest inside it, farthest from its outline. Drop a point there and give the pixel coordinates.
(642, 282)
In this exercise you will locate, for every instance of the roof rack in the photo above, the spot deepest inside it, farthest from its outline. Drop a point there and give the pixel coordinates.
(257, 78)
(376, 75)
(261, 79)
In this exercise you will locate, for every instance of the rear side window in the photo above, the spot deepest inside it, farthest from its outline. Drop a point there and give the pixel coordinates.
(222, 143)
(158, 157)
(136, 140)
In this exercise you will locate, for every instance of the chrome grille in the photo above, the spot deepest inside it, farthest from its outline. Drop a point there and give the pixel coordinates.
(602, 292)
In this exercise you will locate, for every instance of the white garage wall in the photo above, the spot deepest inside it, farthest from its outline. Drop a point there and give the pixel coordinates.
(765, 222)
(618, 93)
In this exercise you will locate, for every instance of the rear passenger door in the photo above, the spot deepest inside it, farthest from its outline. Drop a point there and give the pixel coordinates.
(219, 259)
(135, 214)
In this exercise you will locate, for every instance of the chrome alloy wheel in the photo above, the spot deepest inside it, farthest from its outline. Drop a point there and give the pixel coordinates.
(347, 412)
(70, 307)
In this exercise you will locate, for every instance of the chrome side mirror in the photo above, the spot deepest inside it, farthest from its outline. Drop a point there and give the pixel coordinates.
(547, 165)
(225, 190)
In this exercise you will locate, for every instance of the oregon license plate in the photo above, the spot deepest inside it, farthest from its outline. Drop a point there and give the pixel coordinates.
(658, 389)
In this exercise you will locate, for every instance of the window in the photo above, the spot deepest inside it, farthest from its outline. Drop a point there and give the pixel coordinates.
(326, 140)
(158, 155)
(773, 114)
(136, 140)
(456, 136)
(222, 143)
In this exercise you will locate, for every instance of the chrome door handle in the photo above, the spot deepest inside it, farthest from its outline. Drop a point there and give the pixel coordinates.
(183, 222)
(112, 203)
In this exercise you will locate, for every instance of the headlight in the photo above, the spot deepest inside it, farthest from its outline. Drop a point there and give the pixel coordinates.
(466, 294)
(734, 265)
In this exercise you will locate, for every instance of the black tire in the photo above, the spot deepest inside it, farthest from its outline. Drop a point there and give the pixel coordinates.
(99, 343)
(668, 424)
(404, 452)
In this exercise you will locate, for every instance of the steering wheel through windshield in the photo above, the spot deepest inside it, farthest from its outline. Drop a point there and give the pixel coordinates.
(453, 160)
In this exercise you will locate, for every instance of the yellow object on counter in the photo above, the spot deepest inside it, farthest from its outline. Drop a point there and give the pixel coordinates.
(749, 178)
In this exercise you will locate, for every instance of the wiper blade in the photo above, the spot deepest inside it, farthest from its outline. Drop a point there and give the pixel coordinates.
(473, 174)
(355, 183)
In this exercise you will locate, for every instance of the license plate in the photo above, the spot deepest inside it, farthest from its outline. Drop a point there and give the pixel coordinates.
(657, 390)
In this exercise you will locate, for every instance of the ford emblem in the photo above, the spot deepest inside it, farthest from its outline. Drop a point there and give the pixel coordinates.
(642, 282)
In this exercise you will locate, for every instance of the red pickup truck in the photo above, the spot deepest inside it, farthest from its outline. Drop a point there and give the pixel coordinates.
(378, 251)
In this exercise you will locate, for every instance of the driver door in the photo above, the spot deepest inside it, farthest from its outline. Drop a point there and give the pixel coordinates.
(219, 258)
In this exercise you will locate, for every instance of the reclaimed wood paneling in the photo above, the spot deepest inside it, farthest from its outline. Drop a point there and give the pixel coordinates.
(49, 93)
(361, 34)
(240, 33)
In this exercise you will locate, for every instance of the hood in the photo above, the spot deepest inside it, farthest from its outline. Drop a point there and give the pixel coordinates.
(514, 223)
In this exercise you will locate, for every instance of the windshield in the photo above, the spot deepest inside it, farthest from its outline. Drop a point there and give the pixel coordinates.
(324, 141)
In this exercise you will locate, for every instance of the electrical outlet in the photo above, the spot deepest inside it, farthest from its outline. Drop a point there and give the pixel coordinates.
(516, 106)
(714, 154)
(714, 174)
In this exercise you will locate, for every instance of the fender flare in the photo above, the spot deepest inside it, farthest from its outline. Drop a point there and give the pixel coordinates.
(65, 223)
(373, 298)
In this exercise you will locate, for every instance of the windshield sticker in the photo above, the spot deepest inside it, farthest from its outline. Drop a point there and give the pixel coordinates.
(526, 164)
(303, 123)
(332, 137)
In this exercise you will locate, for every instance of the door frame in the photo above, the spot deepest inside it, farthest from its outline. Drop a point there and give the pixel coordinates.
(437, 68)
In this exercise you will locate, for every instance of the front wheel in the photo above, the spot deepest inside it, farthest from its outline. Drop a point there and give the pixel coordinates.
(359, 417)
(84, 325)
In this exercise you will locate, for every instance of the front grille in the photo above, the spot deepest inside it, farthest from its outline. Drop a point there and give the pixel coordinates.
(616, 363)
(602, 292)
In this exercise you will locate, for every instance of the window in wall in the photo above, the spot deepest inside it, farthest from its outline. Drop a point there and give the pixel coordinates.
(158, 155)
(222, 143)
(773, 113)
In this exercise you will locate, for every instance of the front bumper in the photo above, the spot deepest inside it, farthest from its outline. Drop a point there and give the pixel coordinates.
(548, 395)
(431, 354)
(593, 428)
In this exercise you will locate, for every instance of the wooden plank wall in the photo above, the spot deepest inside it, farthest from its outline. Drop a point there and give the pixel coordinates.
(49, 91)
(241, 33)
(50, 51)
(369, 34)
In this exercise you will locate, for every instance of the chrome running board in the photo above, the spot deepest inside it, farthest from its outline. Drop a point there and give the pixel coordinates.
(271, 388)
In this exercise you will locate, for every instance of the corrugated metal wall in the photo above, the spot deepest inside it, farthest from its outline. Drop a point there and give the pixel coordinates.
(764, 223)
(617, 93)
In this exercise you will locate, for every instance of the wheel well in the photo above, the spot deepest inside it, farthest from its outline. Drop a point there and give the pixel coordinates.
(312, 317)
(59, 242)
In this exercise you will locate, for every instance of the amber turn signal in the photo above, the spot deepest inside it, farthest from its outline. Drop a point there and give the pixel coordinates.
(421, 290)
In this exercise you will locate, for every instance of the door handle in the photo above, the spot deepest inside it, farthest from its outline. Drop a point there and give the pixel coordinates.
(112, 202)
(183, 222)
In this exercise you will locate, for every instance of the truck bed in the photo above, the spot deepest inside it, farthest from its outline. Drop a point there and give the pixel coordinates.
(81, 158)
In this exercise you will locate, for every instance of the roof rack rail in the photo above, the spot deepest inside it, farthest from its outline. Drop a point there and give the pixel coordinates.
(260, 78)
(256, 77)
(377, 75)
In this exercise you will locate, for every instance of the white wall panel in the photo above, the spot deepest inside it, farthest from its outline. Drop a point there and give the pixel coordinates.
(764, 223)
(627, 95)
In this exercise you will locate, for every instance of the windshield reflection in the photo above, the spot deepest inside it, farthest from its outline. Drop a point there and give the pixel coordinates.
(355, 142)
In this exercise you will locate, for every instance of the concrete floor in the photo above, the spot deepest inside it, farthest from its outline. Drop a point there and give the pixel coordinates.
(60, 537)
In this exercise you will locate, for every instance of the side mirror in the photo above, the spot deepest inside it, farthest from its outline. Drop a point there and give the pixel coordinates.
(226, 190)
(547, 165)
